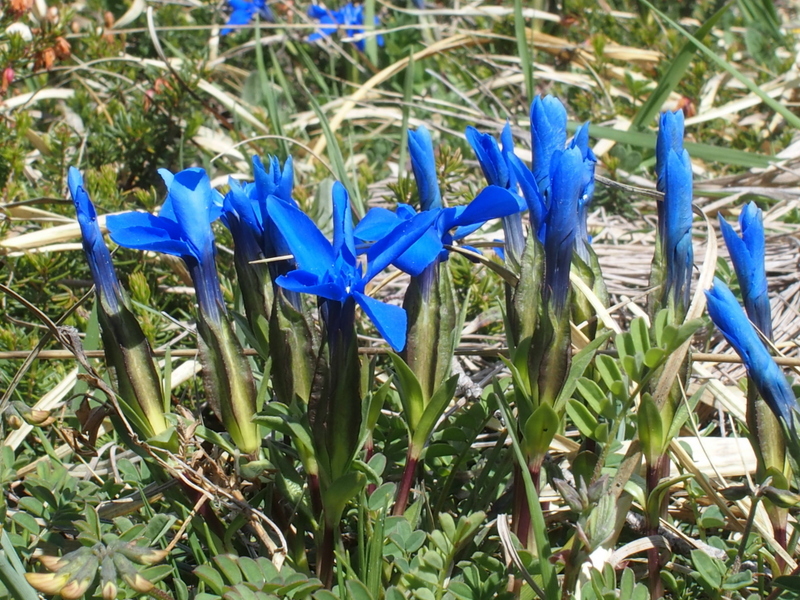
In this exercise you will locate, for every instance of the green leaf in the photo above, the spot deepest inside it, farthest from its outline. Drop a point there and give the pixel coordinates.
(594, 396)
(357, 590)
(211, 577)
(651, 429)
(436, 407)
(336, 497)
(410, 391)
(539, 430)
(654, 357)
(710, 569)
(580, 362)
(609, 372)
(582, 417)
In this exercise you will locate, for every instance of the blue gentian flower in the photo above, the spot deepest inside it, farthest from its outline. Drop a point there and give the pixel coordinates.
(674, 170)
(423, 164)
(548, 135)
(567, 171)
(182, 228)
(127, 351)
(350, 16)
(747, 255)
(331, 271)
(770, 382)
(244, 11)
(581, 141)
(245, 207)
(103, 274)
(448, 226)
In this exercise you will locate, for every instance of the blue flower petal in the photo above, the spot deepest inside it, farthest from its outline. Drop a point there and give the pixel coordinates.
(670, 138)
(389, 248)
(377, 223)
(143, 231)
(492, 162)
(343, 241)
(305, 282)
(770, 382)
(423, 164)
(389, 320)
(311, 250)
(491, 203)
(530, 190)
(421, 253)
(548, 135)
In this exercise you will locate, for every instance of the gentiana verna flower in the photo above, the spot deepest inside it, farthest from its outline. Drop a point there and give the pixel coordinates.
(244, 11)
(548, 135)
(330, 270)
(747, 256)
(350, 17)
(447, 226)
(581, 141)
(127, 351)
(496, 167)
(730, 319)
(674, 170)
(97, 254)
(423, 163)
(182, 228)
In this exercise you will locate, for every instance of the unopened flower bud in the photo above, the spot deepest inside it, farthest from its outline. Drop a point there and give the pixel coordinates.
(108, 19)
(108, 578)
(52, 15)
(142, 554)
(130, 575)
(781, 498)
(48, 583)
(62, 48)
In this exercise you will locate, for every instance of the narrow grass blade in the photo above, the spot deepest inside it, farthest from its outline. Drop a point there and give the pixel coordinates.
(779, 108)
(523, 49)
(335, 154)
(670, 80)
(268, 93)
(371, 46)
(408, 93)
(706, 152)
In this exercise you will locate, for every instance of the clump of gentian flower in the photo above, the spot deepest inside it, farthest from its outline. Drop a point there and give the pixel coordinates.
(244, 11)
(432, 332)
(127, 351)
(350, 17)
(331, 271)
(183, 228)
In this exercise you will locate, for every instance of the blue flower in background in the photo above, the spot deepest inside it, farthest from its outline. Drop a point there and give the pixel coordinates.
(331, 270)
(94, 247)
(244, 11)
(182, 228)
(350, 17)
(747, 255)
(674, 170)
(768, 378)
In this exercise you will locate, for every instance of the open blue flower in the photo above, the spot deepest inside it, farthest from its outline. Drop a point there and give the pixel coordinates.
(182, 228)
(496, 167)
(747, 255)
(350, 16)
(447, 226)
(674, 169)
(244, 11)
(770, 382)
(103, 274)
(331, 270)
